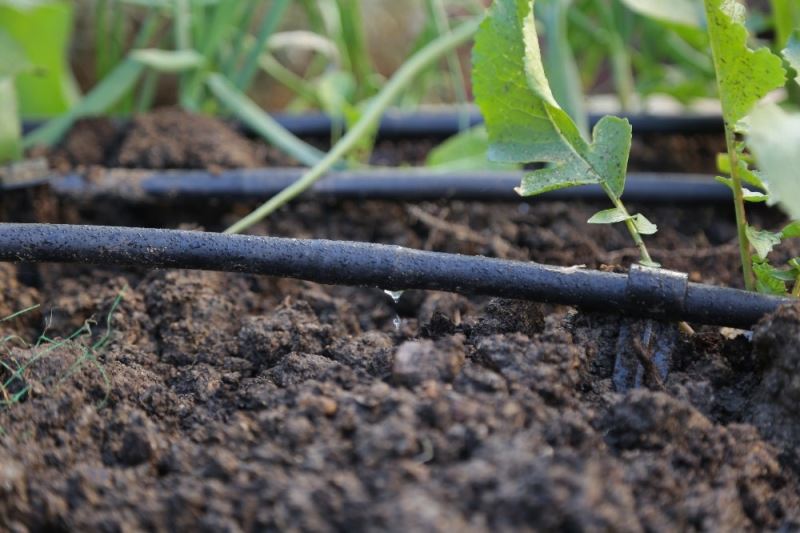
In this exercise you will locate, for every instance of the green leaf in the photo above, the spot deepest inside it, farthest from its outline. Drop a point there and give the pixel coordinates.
(774, 138)
(609, 216)
(744, 76)
(683, 12)
(168, 60)
(10, 145)
(747, 175)
(13, 59)
(465, 151)
(768, 279)
(762, 240)
(749, 196)
(524, 121)
(43, 30)
(791, 230)
(792, 55)
(104, 95)
(644, 226)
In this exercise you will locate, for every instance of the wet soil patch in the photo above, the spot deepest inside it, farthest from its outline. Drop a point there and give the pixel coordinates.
(242, 403)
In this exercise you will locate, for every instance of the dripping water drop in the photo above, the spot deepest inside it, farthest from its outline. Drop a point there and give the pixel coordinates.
(394, 295)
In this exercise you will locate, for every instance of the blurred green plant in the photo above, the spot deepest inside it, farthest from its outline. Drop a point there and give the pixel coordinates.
(13, 63)
(42, 29)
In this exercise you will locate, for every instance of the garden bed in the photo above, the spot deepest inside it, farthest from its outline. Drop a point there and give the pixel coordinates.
(236, 401)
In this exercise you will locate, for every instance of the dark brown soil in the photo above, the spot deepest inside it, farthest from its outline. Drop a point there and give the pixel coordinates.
(243, 403)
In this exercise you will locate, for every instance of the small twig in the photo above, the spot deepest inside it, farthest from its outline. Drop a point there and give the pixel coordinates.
(460, 231)
(644, 355)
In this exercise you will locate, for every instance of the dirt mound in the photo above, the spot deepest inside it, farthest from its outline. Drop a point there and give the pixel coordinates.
(166, 139)
(236, 404)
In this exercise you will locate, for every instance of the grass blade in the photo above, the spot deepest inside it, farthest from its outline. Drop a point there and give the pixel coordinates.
(372, 114)
(256, 118)
(268, 26)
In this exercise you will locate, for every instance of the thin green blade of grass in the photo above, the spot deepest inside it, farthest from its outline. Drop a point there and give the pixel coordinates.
(256, 118)
(372, 114)
(439, 14)
(353, 42)
(269, 24)
(221, 20)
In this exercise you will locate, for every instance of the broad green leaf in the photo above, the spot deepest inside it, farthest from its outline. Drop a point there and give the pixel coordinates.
(609, 216)
(683, 12)
(10, 145)
(762, 240)
(43, 30)
(748, 195)
(768, 281)
(774, 138)
(792, 230)
(524, 121)
(104, 95)
(644, 226)
(465, 151)
(168, 60)
(13, 59)
(744, 76)
(792, 55)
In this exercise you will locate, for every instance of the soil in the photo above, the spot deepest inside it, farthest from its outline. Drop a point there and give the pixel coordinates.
(228, 402)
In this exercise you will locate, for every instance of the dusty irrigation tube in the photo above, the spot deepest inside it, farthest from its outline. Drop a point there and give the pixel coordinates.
(384, 184)
(396, 125)
(644, 292)
(444, 123)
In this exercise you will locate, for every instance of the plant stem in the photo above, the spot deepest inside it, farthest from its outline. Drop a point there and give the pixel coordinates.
(402, 78)
(644, 254)
(741, 216)
(796, 288)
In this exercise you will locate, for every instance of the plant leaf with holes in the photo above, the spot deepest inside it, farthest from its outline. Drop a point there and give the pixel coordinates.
(524, 121)
(744, 76)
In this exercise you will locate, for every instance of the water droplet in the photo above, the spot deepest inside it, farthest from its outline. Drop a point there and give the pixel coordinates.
(394, 295)
(397, 322)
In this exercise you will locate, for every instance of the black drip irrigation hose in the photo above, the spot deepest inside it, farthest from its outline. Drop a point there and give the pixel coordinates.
(396, 125)
(410, 185)
(644, 292)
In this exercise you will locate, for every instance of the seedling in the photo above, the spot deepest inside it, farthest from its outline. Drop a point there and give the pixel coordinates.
(527, 125)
